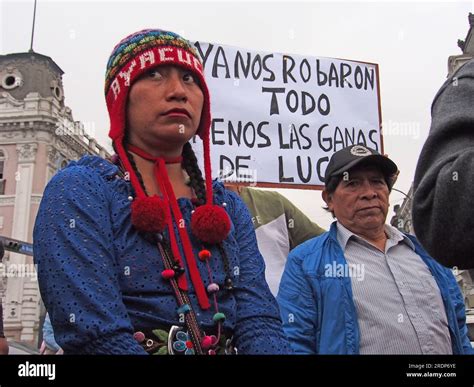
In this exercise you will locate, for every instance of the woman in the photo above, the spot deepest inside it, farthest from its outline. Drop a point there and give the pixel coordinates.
(143, 254)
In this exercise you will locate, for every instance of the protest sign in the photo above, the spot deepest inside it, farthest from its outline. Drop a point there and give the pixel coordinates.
(278, 118)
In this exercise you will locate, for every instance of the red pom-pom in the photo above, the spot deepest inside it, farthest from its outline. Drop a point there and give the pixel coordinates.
(168, 274)
(210, 223)
(149, 214)
(204, 254)
(206, 342)
(139, 337)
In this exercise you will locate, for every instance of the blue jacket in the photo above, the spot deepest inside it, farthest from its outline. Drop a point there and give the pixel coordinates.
(101, 281)
(48, 335)
(319, 314)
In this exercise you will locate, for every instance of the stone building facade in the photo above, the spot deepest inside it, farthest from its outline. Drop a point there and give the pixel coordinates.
(38, 136)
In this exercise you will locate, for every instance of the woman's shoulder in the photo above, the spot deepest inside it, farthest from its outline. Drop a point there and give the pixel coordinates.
(89, 172)
(99, 165)
(232, 201)
(223, 195)
(88, 167)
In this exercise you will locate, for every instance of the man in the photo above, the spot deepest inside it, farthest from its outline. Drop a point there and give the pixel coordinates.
(444, 178)
(364, 287)
(279, 225)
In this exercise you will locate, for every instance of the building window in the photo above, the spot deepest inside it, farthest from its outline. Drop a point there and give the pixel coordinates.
(57, 91)
(9, 81)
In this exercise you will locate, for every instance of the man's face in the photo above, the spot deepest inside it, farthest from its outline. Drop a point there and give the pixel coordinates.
(360, 201)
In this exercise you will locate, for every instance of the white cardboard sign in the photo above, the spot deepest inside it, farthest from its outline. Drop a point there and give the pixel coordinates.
(278, 118)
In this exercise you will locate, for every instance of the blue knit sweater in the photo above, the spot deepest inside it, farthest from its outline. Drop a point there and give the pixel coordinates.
(101, 281)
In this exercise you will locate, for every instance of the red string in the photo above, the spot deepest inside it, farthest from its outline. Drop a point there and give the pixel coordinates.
(187, 247)
(207, 170)
(182, 282)
(173, 160)
(167, 191)
(140, 152)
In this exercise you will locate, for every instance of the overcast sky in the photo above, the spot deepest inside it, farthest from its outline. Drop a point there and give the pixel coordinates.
(411, 43)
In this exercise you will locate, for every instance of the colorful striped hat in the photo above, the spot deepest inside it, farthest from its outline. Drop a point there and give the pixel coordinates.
(132, 57)
(136, 54)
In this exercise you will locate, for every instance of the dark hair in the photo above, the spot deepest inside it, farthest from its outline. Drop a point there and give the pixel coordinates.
(191, 167)
(137, 172)
(330, 186)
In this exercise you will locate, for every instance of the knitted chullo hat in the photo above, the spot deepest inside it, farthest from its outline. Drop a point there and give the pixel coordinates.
(132, 57)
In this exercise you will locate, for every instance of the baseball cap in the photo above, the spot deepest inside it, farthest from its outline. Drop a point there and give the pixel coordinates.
(353, 155)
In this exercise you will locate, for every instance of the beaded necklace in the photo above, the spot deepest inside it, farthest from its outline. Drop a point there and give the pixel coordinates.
(199, 342)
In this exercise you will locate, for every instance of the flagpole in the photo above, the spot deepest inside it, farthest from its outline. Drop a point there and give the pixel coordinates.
(33, 28)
